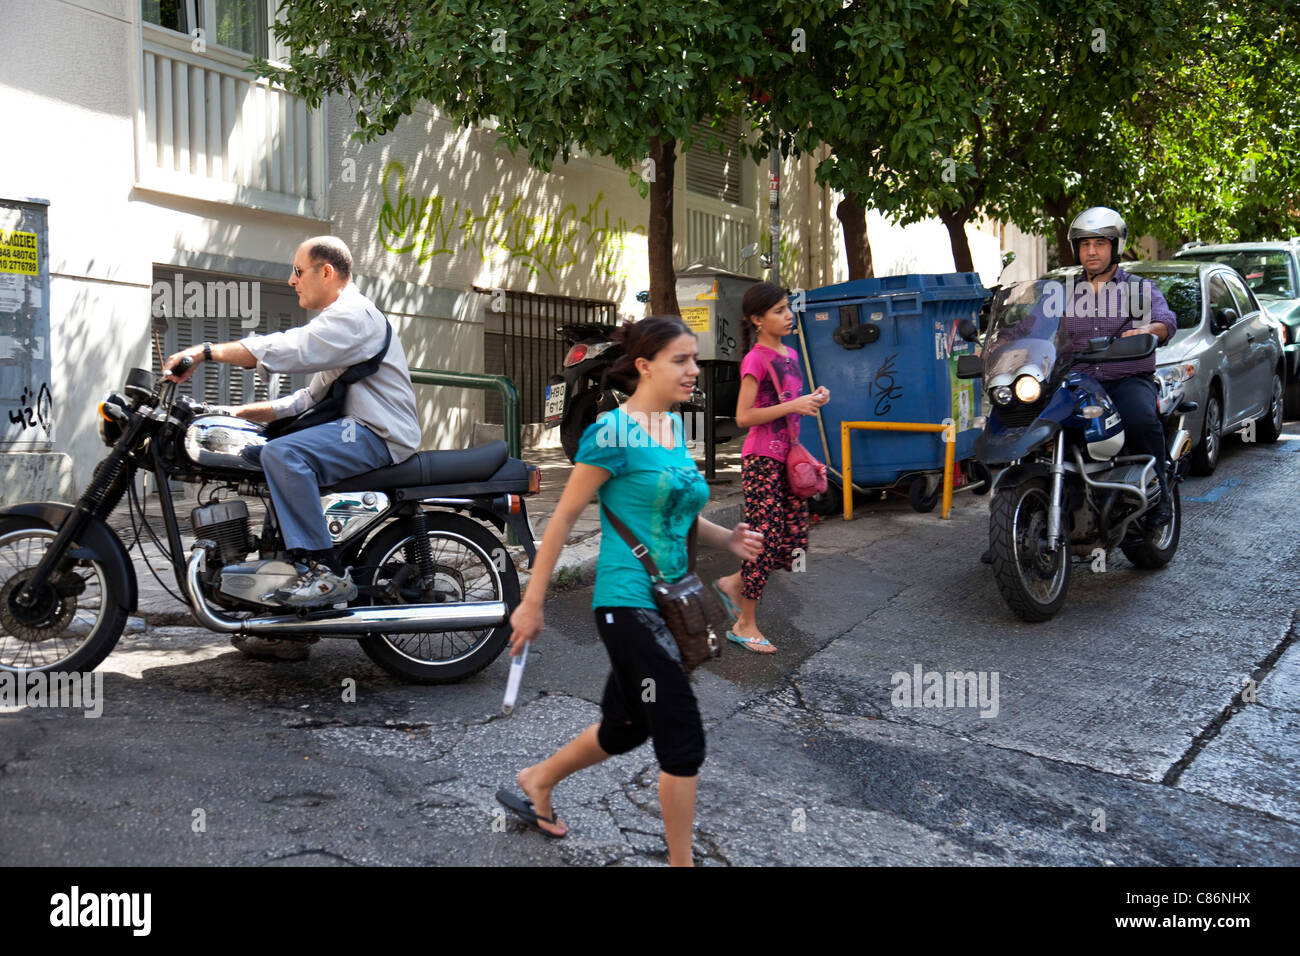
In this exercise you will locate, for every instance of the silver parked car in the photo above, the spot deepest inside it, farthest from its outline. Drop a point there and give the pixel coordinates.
(1228, 350)
(1272, 273)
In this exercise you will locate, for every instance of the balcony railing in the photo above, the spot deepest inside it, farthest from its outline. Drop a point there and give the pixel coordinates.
(715, 228)
(210, 130)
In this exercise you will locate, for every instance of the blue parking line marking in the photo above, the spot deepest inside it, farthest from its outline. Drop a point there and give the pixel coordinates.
(1214, 494)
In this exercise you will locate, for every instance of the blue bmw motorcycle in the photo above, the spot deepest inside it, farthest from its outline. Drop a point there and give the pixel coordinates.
(1066, 490)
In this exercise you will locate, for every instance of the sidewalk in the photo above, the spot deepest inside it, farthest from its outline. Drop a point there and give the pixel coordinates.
(576, 565)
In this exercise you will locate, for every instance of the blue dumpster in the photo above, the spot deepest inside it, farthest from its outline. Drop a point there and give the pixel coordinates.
(887, 350)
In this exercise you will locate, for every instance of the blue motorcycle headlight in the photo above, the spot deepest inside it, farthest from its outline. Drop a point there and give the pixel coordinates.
(1002, 395)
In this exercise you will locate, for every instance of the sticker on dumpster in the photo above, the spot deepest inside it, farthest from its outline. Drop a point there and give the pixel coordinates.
(876, 316)
(18, 252)
(821, 316)
(940, 342)
(696, 317)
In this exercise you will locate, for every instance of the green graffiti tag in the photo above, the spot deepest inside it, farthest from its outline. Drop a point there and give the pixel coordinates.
(551, 243)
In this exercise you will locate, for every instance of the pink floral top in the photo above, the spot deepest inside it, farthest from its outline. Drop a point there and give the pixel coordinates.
(772, 439)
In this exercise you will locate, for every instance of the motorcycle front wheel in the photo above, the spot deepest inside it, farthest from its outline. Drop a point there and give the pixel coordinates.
(470, 565)
(1033, 580)
(75, 621)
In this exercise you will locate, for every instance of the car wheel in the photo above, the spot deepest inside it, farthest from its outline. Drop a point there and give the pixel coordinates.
(1292, 407)
(1270, 426)
(1205, 458)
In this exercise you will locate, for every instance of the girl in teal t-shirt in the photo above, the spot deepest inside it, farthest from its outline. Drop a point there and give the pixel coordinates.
(634, 458)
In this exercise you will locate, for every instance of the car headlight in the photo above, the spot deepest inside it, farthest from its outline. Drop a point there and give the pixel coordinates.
(1002, 395)
(1180, 372)
(1028, 389)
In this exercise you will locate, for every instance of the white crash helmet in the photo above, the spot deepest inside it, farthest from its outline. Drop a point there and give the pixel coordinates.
(1099, 222)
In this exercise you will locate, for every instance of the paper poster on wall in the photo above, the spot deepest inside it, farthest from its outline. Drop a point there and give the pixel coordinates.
(26, 386)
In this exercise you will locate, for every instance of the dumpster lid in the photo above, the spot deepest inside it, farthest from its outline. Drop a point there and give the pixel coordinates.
(947, 285)
(711, 266)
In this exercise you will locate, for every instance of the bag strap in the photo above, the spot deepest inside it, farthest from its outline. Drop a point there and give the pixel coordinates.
(641, 552)
(371, 365)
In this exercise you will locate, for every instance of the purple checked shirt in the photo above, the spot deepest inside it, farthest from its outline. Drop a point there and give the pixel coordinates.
(1124, 300)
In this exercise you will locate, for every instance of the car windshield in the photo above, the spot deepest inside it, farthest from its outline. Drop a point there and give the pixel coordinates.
(1025, 333)
(1183, 293)
(1267, 273)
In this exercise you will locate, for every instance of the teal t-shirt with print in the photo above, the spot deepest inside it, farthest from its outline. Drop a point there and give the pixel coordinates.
(657, 492)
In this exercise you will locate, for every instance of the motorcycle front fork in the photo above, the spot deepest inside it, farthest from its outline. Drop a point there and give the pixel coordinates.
(1058, 480)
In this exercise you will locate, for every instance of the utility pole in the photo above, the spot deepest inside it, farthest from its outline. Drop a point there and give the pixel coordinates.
(774, 208)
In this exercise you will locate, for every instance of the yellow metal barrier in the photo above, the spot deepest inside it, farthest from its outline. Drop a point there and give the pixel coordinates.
(950, 450)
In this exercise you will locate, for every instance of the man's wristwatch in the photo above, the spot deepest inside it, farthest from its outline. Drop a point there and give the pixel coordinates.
(207, 351)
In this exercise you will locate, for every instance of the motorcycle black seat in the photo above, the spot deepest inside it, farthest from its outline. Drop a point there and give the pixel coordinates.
(432, 468)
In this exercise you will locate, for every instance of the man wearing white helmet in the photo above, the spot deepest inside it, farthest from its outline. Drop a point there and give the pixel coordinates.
(1111, 301)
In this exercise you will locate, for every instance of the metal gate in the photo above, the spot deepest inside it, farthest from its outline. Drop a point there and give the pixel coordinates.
(520, 340)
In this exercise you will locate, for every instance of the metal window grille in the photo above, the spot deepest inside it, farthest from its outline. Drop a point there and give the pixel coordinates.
(523, 342)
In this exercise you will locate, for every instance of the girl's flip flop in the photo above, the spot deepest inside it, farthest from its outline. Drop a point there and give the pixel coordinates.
(751, 643)
(727, 604)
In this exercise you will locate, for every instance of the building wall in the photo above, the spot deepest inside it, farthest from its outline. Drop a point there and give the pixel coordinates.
(430, 211)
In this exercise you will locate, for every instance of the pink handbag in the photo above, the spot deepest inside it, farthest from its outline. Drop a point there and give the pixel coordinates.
(806, 475)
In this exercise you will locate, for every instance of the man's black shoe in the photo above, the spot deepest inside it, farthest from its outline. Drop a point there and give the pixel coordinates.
(1161, 514)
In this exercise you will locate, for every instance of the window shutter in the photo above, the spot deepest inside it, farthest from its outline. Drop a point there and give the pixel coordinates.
(711, 173)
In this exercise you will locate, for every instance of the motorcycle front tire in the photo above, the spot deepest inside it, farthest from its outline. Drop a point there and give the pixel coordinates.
(1033, 581)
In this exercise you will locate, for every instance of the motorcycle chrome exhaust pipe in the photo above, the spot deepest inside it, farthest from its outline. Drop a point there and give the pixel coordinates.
(402, 619)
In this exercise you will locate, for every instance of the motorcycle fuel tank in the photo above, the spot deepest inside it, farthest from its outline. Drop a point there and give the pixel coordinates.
(215, 441)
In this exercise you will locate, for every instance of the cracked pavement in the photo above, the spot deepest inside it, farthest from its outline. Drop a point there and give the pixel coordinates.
(1154, 722)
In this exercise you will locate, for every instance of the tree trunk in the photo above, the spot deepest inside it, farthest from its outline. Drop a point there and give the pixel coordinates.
(954, 221)
(1058, 208)
(853, 222)
(659, 236)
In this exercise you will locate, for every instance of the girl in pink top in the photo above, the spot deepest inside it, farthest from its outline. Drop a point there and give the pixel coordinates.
(772, 418)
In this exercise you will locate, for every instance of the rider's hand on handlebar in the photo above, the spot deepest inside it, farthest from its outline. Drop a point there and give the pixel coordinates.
(195, 354)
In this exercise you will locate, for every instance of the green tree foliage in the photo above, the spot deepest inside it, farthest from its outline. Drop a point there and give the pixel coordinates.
(627, 81)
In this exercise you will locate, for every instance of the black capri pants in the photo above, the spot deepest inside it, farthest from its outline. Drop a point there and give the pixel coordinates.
(648, 693)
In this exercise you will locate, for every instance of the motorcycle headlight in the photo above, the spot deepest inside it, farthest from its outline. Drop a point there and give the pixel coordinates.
(1002, 395)
(1028, 389)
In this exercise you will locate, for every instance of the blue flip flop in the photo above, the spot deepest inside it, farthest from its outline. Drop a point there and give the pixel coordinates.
(750, 643)
(727, 604)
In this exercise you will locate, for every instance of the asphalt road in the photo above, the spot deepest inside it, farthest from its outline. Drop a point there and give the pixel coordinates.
(1118, 734)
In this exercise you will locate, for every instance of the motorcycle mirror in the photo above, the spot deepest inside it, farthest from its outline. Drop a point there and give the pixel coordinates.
(969, 366)
(1008, 258)
(967, 330)
(749, 251)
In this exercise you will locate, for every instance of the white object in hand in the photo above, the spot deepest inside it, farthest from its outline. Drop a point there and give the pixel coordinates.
(512, 682)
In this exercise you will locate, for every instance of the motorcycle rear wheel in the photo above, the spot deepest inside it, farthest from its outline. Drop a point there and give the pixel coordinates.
(1158, 547)
(1033, 580)
(471, 564)
(74, 624)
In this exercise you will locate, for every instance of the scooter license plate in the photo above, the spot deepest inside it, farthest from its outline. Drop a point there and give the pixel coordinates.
(554, 404)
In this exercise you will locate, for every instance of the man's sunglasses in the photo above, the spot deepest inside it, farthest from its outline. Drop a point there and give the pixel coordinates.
(297, 271)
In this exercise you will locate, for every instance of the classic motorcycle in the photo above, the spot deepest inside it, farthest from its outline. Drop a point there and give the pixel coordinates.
(576, 396)
(436, 585)
(1068, 490)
